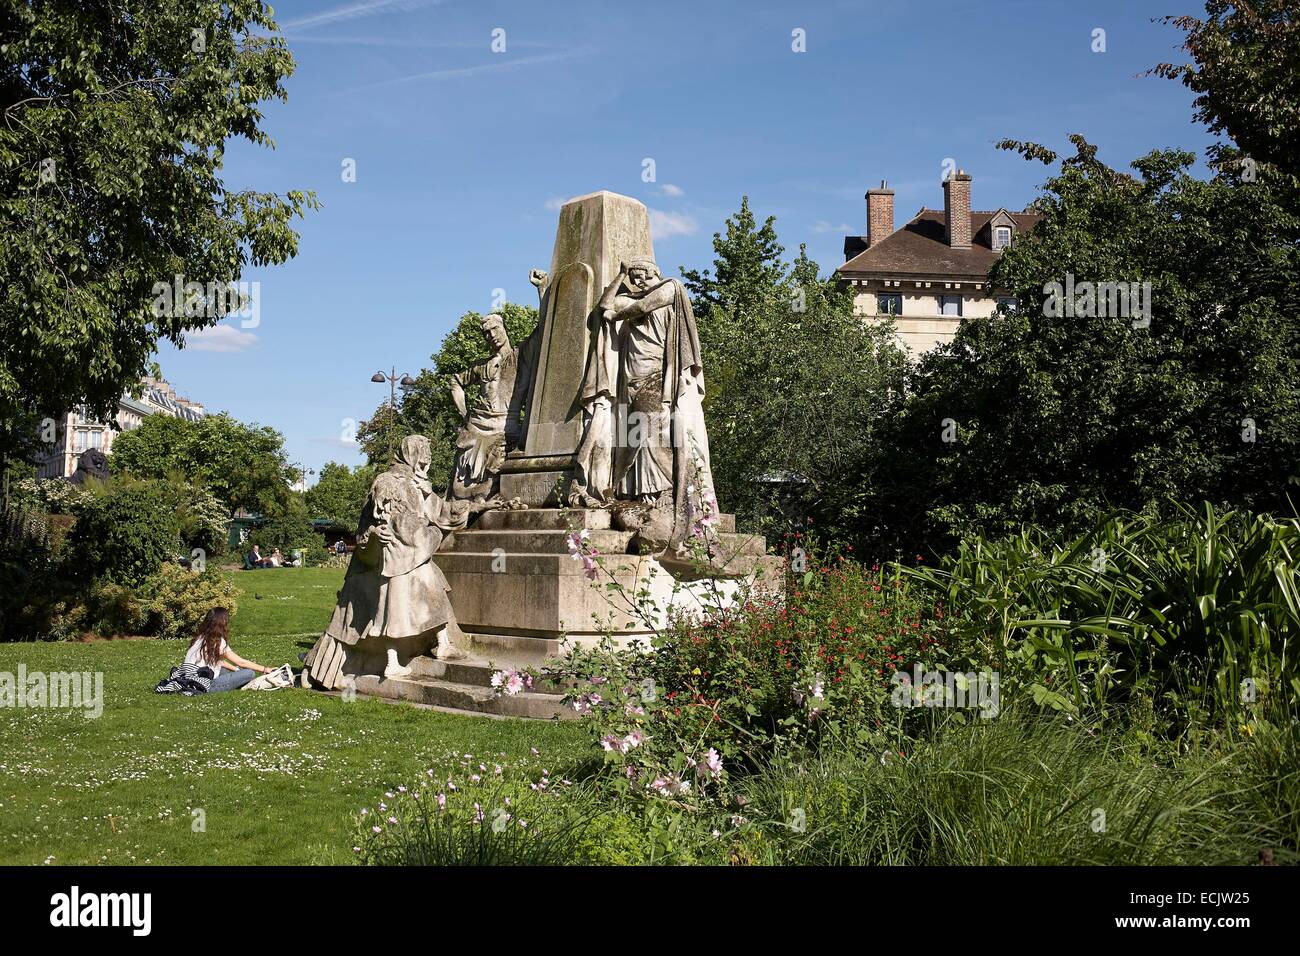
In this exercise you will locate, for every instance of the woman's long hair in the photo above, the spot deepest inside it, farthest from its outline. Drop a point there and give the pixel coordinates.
(212, 632)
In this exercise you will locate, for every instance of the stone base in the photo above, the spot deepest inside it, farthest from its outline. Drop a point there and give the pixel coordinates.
(535, 487)
(465, 685)
(516, 590)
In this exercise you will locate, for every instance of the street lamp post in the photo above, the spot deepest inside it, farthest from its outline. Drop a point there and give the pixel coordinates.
(393, 381)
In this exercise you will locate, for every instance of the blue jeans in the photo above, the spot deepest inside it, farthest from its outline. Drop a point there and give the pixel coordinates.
(231, 680)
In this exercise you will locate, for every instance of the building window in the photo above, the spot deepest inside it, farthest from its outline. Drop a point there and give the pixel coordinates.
(1007, 303)
(950, 305)
(1001, 237)
(83, 438)
(889, 303)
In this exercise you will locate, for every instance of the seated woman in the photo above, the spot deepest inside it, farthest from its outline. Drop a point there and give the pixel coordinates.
(277, 558)
(209, 649)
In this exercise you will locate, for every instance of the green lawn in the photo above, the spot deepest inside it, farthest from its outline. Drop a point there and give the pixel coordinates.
(278, 776)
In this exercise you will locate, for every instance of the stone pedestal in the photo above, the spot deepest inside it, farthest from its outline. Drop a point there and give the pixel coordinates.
(517, 590)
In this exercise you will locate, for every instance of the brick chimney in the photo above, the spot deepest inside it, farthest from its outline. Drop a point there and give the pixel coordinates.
(880, 213)
(956, 209)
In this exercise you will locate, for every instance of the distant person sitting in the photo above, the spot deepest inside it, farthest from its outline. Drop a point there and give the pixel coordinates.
(256, 560)
(276, 560)
(210, 649)
(340, 547)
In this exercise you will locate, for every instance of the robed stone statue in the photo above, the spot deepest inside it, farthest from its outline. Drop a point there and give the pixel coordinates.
(645, 440)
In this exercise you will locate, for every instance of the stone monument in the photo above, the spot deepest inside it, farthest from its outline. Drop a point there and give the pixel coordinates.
(612, 441)
(594, 424)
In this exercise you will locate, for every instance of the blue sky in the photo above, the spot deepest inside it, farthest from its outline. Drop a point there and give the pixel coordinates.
(462, 153)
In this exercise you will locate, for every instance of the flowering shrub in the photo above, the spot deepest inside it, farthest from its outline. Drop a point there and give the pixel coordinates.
(722, 690)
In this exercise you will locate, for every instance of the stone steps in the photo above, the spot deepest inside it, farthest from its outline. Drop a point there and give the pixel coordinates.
(471, 672)
(510, 650)
(464, 686)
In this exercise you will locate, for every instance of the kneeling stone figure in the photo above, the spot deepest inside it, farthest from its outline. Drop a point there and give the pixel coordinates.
(393, 605)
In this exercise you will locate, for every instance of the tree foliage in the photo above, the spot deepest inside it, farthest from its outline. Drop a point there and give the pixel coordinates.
(113, 138)
(340, 494)
(426, 408)
(243, 465)
(1243, 69)
(795, 381)
(1046, 418)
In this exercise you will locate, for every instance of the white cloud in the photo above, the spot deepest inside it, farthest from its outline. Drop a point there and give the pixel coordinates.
(671, 190)
(501, 66)
(220, 338)
(821, 225)
(352, 11)
(665, 225)
(554, 203)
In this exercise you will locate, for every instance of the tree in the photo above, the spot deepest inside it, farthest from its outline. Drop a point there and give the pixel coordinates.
(1244, 74)
(126, 533)
(115, 123)
(243, 465)
(795, 381)
(425, 408)
(340, 494)
(1054, 414)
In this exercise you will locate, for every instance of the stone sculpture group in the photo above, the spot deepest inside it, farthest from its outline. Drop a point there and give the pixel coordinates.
(595, 418)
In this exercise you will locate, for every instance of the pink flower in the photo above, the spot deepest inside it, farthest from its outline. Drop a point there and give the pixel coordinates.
(442, 801)
(713, 761)
(577, 541)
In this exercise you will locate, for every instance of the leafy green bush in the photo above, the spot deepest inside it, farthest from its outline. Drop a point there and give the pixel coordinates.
(202, 518)
(52, 495)
(1197, 612)
(125, 533)
(30, 586)
(505, 822)
(170, 603)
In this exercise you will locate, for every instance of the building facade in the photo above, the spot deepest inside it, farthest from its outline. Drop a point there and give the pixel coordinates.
(78, 431)
(931, 274)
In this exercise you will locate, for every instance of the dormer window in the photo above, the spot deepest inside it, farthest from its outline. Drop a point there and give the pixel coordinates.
(1001, 238)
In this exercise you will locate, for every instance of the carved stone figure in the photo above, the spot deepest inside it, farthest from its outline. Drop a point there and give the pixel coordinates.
(93, 463)
(645, 440)
(393, 604)
(481, 441)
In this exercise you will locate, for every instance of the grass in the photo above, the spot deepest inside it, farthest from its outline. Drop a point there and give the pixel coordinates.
(1032, 791)
(278, 776)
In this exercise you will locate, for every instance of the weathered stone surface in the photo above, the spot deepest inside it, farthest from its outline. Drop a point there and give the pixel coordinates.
(596, 233)
(516, 590)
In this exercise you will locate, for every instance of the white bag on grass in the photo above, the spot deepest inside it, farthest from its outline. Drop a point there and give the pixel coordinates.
(279, 678)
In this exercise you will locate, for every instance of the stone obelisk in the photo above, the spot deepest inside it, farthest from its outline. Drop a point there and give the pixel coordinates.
(596, 233)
